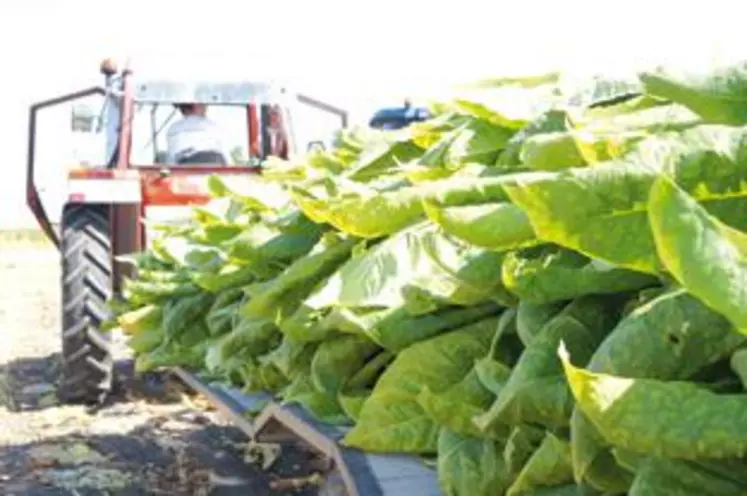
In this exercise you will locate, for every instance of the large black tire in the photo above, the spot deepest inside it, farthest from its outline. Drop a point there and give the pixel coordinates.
(87, 362)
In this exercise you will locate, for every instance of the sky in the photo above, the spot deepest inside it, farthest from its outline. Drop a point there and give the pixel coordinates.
(357, 54)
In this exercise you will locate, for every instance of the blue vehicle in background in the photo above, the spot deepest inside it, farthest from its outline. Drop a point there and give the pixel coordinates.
(398, 117)
(386, 119)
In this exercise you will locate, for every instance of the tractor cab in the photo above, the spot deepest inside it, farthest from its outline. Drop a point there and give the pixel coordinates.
(120, 175)
(257, 119)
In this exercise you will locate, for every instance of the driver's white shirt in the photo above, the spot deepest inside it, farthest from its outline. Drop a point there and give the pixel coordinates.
(190, 135)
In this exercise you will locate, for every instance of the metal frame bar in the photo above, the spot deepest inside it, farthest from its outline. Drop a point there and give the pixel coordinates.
(343, 114)
(274, 415)
(347, 470)
(230, 409)
(33, 200)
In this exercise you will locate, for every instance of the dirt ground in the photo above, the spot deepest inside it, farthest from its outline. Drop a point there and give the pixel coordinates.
(155, 438)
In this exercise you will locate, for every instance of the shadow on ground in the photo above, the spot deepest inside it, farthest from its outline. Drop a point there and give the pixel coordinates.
(31, 384)
(153, 437)
(162, 456)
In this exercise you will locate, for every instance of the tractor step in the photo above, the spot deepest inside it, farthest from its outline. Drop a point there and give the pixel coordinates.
(352, 472)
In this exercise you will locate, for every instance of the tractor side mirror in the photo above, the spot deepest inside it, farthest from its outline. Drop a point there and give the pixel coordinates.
(162, 157)
(316, 144)
(83, 118)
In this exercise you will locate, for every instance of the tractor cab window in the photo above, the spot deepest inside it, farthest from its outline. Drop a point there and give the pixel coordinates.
(151, 123)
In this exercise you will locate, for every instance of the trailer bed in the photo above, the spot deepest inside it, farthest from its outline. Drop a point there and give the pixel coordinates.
(351, 472)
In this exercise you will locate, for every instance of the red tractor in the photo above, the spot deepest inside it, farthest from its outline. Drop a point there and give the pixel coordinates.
(104, 205)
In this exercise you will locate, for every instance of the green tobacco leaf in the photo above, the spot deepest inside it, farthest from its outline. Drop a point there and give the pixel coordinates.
(180, 314)
(613, 136)
(531, 318)
(642, 114)
(269, 378)
(511, 105)
(251, 337)
(520, 445)
(521, 81)
(599, 91)
(228, 277)
(418, 261)
(549, 466)
(457, 406)
(264, 245)
(141, 319)
(549, 273)
(719, 95)
(392, 419)
(145, 341)
(292, 359)
(551, 151)
(506, 347)
(738, 364)
(669, 338)
(706, 256)
(252, 192)
(477, 141)
(469, 466)
(325, 407)
(479, 273)
(549, 122)
(382, 159)
(506, 326)
(602, 471)
(497, 226)
(593, 223)
(492, 374)
(308, 325)
(398, 329)
(374, 215)
(623, 108)
(220, 320)
(681, 478)
(433, 164)
(337, 360)
(668, 419)
(352, 403)
(427, 133)
(607, 218)
(568, 490)
(536, 391)
(281, 298)
(367, 375)
(146, 292)
(465, 190)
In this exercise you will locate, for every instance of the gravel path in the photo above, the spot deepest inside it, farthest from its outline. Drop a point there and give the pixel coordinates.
(150, 440)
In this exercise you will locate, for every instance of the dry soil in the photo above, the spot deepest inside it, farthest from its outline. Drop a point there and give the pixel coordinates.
(154, 438)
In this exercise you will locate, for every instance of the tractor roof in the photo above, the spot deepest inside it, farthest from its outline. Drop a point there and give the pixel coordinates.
(214, 93)
(173, 90)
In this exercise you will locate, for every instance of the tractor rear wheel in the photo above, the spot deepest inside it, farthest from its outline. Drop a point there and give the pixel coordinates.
(87, 363)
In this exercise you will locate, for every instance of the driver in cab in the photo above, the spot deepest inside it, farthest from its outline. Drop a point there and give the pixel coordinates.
(195, 139)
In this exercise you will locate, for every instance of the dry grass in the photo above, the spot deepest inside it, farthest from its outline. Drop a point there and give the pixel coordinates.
(34, 237)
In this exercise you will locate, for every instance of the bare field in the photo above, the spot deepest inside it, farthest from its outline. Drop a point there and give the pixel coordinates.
(155, 438)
